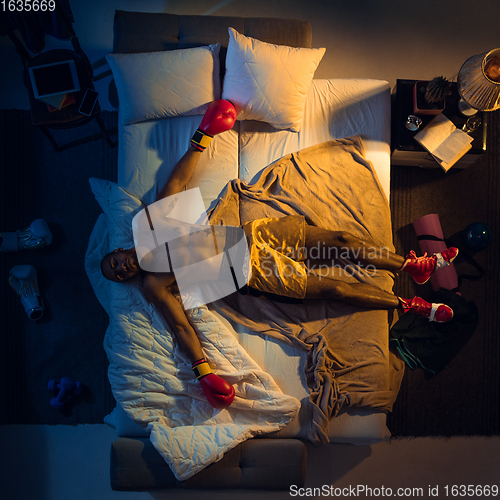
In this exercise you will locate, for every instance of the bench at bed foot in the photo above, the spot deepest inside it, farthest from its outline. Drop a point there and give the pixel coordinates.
(266, 464)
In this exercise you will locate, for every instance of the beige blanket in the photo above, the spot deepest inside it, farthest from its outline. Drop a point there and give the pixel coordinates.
(348, 361)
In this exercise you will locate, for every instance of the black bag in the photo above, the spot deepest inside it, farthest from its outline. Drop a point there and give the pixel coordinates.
(429, 345)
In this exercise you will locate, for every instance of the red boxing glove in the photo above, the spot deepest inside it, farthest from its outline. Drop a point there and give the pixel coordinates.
(218, 392)
(219, 117)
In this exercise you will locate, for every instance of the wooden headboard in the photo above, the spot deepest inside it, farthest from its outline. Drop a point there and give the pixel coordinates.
(149, 32)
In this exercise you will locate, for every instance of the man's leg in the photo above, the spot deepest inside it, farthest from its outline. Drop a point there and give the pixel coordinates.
(356, 294)
(371, 297)
(334, 244)
(329, 245)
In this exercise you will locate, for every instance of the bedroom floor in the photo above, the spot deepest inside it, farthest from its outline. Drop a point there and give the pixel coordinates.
(416, 465)
(387, 40)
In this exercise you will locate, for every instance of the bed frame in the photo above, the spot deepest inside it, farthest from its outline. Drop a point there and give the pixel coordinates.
(277, 463)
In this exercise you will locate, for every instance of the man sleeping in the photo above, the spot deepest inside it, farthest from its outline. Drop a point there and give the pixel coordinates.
(275, 244)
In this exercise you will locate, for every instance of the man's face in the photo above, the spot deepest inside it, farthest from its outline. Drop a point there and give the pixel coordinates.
(120, 265)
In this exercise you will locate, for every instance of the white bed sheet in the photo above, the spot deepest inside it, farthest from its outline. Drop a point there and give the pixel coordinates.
(148, 151)
(335, 108)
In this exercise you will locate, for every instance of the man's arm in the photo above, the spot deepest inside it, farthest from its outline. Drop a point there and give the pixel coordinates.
(157, 292)
(219, 117)
(181, 174)
(218, 392)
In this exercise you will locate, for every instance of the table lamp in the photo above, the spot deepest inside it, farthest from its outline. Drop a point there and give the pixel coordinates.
(479, 83)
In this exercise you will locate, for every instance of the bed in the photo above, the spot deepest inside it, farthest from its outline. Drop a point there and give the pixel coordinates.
(322, 373)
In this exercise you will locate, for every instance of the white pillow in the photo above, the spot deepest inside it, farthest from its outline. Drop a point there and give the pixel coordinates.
(120, 208)
(153, 85)
(268, 82)
(112, 230)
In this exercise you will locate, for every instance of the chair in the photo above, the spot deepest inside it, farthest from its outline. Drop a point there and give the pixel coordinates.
(31, 28)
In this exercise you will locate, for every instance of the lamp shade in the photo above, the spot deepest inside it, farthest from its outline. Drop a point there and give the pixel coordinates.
(479, 81)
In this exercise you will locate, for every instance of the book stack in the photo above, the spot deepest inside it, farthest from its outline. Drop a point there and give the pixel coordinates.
(58, 101)
(445, 142)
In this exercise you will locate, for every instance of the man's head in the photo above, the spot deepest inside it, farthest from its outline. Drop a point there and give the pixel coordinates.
(120, 265)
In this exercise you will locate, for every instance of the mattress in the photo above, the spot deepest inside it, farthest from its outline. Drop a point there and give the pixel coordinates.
(335, 108)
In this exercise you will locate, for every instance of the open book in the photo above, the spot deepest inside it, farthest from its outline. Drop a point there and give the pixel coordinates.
(446, 143)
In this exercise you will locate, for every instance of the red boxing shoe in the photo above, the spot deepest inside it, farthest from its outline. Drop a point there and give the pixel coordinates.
(440, 313)
(421, 268)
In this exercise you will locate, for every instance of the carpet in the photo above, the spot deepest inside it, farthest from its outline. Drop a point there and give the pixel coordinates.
(67, 341)
(463, 399)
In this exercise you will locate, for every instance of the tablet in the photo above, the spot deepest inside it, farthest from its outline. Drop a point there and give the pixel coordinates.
(55, 78)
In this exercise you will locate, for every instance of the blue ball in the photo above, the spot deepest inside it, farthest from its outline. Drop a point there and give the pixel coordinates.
(477, 236)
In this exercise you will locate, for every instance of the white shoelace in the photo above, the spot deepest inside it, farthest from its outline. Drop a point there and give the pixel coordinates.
(440, 261)
(432, 316)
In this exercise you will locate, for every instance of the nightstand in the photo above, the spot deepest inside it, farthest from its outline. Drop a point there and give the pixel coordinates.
(406, 151)
(27, 33)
